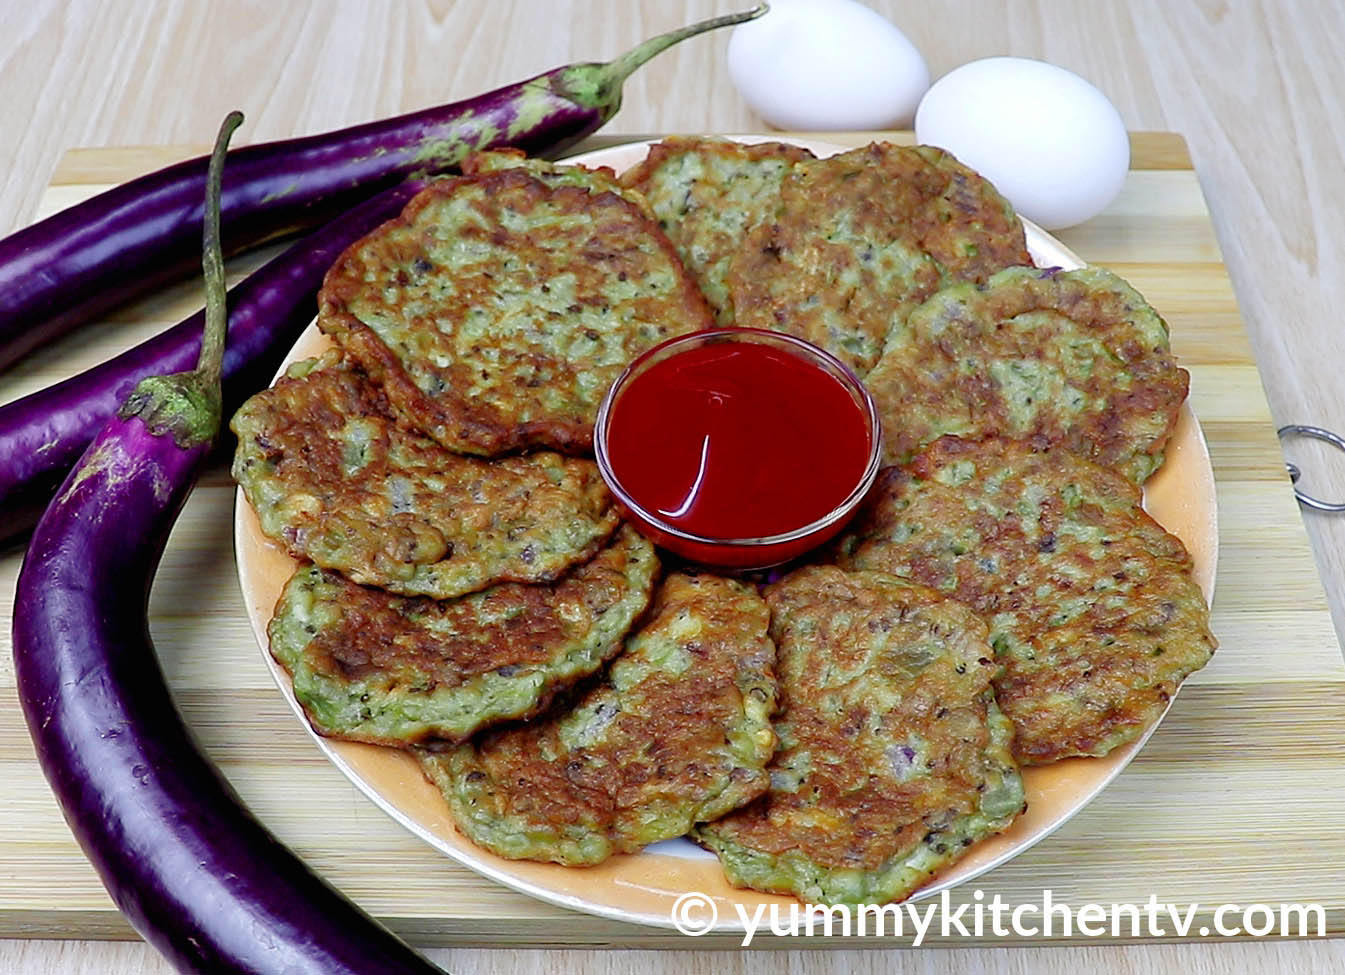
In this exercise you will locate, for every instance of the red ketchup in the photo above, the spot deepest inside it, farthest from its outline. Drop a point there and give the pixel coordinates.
(738, 447)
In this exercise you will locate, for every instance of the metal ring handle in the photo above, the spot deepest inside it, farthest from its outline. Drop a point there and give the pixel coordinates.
(1317, 433)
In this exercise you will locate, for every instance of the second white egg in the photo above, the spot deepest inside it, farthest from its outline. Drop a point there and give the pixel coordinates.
(1050, 142)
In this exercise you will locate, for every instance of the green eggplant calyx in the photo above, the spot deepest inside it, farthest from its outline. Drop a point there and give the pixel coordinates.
(597, 85)
(186, 406)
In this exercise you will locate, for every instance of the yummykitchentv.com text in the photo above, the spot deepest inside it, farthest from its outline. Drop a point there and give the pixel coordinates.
(695, 914)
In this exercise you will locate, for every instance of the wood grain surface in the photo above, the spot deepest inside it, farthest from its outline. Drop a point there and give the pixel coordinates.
(1237, 798)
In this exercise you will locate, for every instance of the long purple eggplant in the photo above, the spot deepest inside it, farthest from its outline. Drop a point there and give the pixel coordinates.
(192, 870)
(76, 264)
(43, 434)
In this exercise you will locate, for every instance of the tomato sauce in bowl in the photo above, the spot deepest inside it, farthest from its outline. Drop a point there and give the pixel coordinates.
(738, 448)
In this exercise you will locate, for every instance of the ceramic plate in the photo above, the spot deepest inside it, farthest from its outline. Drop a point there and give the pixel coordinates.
(643, 887)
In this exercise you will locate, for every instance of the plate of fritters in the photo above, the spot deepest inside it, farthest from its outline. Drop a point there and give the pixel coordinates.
(448, 599)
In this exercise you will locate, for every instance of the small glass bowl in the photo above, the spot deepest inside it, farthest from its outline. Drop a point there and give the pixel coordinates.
(739, 554)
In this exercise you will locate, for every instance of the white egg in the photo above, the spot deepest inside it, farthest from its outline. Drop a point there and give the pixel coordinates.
(1049, 141)
(827, 64)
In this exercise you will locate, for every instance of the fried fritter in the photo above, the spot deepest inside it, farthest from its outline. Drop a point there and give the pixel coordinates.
(893, 756)
(861, 238)
(498, 308)
(601, 179)
(678, 732)
(1091, 604)
(1077, 358)
(334, 478)
(707, 194)
(371, 666)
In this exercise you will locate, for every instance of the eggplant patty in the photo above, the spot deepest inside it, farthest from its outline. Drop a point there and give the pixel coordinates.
(1092, 607)
(371, 666)
(1077, 358)
(498, 308)
(893, 756)
(336, 479)
(600, 179)
(677, 732)
(860, 238)
(707, 194)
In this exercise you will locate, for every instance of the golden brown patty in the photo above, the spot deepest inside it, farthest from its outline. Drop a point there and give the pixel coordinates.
(861, 238)
(707, 194)
(370, 666)
(893, 757)
(599, 179)
(334, 478)
(1091, 604)
(498, 308)
(1077, 358)
(678, 732)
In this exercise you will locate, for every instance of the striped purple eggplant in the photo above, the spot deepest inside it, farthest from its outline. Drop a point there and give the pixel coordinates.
(43, 434)
(191, 869)
(75, 265)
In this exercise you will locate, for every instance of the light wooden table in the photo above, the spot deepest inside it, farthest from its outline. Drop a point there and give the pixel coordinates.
(1253, 86)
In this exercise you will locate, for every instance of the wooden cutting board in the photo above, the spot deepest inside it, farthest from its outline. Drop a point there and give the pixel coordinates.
(1237, 798)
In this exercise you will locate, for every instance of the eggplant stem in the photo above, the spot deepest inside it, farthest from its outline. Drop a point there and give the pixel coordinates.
(211, 362)
(188, 405)
(597, 85)
(621, 68)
